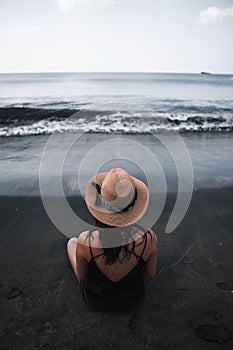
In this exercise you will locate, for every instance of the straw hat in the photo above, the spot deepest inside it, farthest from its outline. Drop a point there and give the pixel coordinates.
(115, 198)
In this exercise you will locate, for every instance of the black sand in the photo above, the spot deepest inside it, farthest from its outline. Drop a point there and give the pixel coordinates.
(189, 305)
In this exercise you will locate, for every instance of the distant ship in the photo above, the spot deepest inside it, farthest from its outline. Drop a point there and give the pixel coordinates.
(208, 73)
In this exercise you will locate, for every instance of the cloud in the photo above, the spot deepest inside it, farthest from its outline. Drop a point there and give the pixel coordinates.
(110, 3)
(20, 30)
(69, 5)
(215, 14)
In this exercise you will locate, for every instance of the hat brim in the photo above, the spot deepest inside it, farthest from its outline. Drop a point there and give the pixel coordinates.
(117, 219)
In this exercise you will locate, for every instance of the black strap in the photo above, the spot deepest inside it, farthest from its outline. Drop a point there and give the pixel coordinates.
(90, 246)
(92, 256)
(96, 256)
(139, 256)
(144, 245)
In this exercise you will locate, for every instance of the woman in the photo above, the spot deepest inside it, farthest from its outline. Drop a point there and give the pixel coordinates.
(114, 262)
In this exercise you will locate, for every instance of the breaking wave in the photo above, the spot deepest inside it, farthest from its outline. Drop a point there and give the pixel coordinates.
(29, 121)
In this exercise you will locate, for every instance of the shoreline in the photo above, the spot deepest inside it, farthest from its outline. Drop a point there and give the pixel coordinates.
(20, 162)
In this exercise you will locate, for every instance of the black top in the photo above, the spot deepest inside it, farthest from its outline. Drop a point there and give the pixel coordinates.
(100, 292)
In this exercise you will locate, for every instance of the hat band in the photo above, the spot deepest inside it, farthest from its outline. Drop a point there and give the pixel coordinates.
(100, 200)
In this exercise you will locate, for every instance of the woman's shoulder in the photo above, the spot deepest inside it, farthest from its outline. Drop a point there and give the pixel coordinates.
(85, 243)
(145, 237)
(152, 235)
(148, 233)
(88, 238)
(85, 235)
(151, 243)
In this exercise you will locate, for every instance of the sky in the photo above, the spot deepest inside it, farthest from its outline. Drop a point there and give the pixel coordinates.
(116, 36)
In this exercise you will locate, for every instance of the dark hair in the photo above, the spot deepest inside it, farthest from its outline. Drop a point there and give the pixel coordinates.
(108, 234)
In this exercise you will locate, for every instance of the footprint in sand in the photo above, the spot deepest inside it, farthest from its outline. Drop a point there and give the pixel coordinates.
(211, 333)
(224, 286)
(15, 293)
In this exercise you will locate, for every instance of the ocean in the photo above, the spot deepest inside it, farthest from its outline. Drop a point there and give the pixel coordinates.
(47, 103)
(102, 107)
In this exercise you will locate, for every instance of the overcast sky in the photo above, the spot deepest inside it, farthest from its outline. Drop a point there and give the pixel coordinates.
(116, 35)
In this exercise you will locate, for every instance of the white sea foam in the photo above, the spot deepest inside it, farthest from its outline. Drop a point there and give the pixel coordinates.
(133, 123)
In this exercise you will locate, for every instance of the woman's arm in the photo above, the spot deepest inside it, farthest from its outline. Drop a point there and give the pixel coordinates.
(81, 257)
(151, 264)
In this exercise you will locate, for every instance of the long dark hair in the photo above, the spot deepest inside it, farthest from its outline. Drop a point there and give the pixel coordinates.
(121, 241)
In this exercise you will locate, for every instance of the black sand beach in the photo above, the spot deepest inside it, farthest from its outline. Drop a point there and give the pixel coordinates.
(188, 306)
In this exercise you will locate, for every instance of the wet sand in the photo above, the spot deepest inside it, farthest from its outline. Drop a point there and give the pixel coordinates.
(188, 305)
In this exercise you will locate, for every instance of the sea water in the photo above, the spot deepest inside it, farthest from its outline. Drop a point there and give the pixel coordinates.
(114, 102)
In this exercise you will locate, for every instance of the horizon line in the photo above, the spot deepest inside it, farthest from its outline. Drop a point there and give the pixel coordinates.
(115, 72)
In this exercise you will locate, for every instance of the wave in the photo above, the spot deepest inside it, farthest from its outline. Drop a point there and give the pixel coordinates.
(28, 121)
